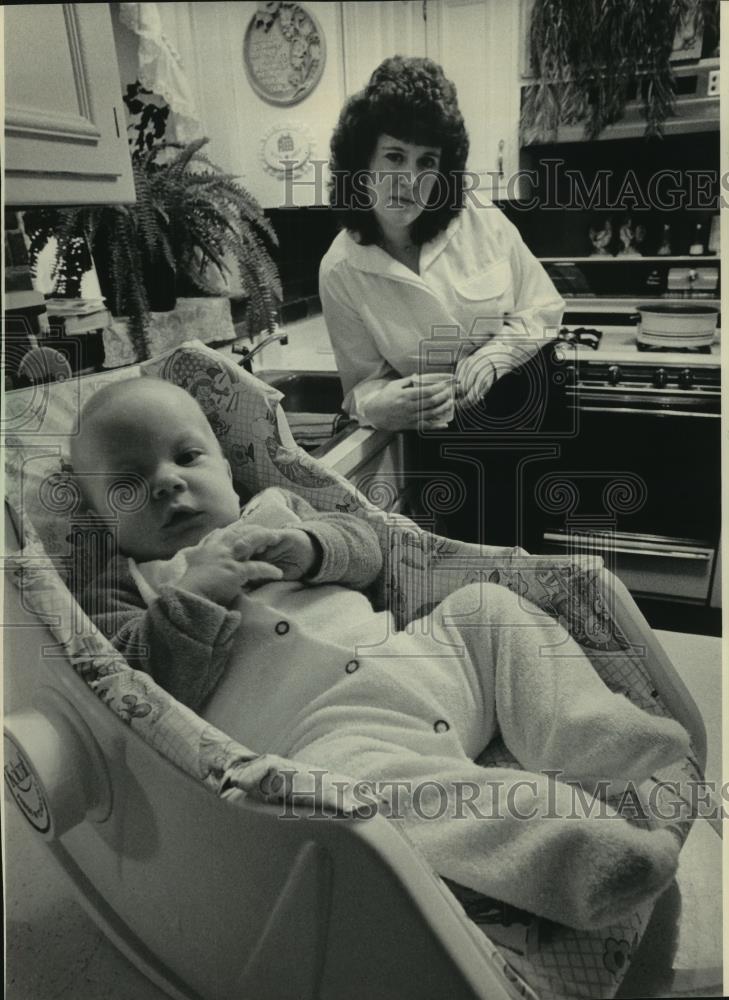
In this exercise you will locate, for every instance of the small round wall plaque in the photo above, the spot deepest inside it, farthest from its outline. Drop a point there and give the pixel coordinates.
(287, 149)
(283, 52)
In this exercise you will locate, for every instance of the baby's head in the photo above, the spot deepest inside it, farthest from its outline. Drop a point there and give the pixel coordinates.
(147, 459)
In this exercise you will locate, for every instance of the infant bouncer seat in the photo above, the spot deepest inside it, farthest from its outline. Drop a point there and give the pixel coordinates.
(215, 894)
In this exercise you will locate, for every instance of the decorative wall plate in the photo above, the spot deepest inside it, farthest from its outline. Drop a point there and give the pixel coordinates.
(287, 149)
(283, 52)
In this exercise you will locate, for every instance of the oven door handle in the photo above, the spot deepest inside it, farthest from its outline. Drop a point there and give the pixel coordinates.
(673, 554)
(702, 555)
(649, 413)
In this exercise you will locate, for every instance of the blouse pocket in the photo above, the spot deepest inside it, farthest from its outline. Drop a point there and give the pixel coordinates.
(483, 300)
(489, 285)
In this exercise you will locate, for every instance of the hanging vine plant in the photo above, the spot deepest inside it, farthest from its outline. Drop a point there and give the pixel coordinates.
(591, 56)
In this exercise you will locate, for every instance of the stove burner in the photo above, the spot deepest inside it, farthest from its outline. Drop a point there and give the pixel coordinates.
(588, 336)
(655, 349)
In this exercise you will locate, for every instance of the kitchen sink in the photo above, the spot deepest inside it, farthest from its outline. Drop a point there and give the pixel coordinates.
(312, 402)
(307, 392)
(313, 405)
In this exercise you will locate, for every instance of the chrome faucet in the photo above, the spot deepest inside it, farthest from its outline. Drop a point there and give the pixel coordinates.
(247, 353)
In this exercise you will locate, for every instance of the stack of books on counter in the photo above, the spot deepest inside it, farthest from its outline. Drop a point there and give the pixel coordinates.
(76, 328)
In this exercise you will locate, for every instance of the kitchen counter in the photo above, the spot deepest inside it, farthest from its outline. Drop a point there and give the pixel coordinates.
(628, 306)
(308, 349)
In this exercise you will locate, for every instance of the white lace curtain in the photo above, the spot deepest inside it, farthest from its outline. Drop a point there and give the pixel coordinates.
(161, 69)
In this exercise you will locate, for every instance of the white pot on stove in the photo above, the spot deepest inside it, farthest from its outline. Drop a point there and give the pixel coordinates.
(677, 326)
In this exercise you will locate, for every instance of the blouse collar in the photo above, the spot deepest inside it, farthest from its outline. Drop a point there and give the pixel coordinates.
(375, 260)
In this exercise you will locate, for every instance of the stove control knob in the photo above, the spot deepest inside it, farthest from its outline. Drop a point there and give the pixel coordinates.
(685, 378)
(614, 374)
(660, 377)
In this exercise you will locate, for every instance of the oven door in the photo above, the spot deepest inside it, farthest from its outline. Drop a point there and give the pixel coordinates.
(638, 485)
(648, 565)
(643, 400)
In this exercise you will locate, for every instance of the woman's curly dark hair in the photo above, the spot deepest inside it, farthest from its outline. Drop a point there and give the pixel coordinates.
(411, 100)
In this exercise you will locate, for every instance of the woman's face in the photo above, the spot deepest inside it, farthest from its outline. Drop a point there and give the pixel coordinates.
(404, 175)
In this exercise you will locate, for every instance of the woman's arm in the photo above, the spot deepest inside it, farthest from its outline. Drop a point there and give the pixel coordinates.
(182, 640)
(362, 369)
(534, 320)
(375, 394)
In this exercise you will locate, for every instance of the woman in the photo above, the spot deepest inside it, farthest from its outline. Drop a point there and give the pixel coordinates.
(427, 275)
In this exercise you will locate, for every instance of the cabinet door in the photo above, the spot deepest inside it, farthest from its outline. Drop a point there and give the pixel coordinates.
(382, 477)
(64, 119)
(373, 31)
(477, 44)
(715, 595)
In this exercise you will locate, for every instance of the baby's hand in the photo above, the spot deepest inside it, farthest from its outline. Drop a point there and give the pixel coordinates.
(290, 549)
(217, 569)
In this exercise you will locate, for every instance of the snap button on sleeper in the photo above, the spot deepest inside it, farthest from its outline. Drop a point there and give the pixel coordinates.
(352, 666)
(282, 628)
(441, 726)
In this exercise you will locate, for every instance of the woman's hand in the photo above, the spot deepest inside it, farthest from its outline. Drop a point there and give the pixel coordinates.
(217, 569)
(476, 374)
(403, 405)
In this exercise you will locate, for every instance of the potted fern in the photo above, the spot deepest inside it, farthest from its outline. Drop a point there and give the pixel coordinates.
(191, 228)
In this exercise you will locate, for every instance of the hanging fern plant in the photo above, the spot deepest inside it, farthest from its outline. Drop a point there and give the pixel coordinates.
(190, 222)
(591, 55)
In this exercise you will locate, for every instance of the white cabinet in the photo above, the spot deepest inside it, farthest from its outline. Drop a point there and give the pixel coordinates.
(478, 45)
(374, 462)
(373, 31)
(381, 477)
(65, 132)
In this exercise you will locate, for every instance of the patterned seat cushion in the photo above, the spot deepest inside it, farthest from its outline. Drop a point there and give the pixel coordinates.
(420, 569)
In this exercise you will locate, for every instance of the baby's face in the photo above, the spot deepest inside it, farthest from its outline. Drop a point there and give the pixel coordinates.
(155, 467)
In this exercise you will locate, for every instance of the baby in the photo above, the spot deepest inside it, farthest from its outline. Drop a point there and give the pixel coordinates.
(257, 619)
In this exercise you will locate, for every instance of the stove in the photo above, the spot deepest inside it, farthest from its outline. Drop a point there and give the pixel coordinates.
(618, 340)
(606, 367)
(643, 463)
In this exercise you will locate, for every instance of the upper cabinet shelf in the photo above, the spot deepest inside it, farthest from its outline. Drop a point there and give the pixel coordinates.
(626, 259)
(65, 128)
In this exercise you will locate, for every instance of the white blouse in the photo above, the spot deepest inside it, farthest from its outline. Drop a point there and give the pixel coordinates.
(481, 300)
